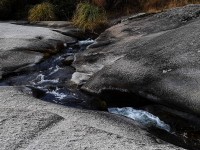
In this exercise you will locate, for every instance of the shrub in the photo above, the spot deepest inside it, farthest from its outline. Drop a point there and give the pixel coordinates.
(160, 5)
(116, 8)
(42, 12)
(89, 17)
(133, 6)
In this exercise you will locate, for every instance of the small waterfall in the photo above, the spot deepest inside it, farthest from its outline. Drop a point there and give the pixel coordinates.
(141, 116)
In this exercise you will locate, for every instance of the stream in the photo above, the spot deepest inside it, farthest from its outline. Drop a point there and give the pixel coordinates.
(49, 81)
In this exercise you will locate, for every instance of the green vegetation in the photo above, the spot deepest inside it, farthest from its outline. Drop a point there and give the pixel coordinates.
(42, 12)
(89, 17)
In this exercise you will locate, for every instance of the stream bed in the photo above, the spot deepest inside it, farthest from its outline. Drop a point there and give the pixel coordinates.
(49, 79)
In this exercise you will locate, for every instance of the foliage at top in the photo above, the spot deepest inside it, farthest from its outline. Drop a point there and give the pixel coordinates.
(64, 9)
(42, 12)
(160, 5)
(89, 17)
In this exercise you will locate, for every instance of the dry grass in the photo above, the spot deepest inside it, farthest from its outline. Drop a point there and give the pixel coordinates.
(42, 12)
(133, 6)
(153, 6)
(89, 17)
(99, 3)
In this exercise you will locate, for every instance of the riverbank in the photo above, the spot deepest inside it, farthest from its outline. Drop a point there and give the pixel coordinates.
(29, 123)
(120, 68)
(37, 119)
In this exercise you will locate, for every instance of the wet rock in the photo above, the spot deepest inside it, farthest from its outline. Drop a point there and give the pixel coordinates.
(29, 123)
(69, 60)
(184, 126)
(80, 78)
(25, 45)
(155, 57)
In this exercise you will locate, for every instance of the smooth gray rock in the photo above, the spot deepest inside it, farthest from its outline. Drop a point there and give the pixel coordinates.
(72, 32)
(19, 126)
(20, 37)
(25, 45)
(27, 123)
(156, 57)
(53, 24)
(69, 60)
(64, 27)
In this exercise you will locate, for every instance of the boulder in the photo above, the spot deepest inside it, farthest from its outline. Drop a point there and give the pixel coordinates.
(73, 32)
(155, 57)
(64, 27)
(69, 60)
(26, 45)
(52, 24)
(29, 123)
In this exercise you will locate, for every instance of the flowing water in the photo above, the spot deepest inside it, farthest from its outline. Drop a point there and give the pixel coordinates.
(176, 127)
(141, 116)
(49, 79)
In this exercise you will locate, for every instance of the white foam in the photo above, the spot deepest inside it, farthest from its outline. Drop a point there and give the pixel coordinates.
(86, 42)
(42, 80)
(55, 70)
(141, 116)
(58, 58)
(58, 95)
